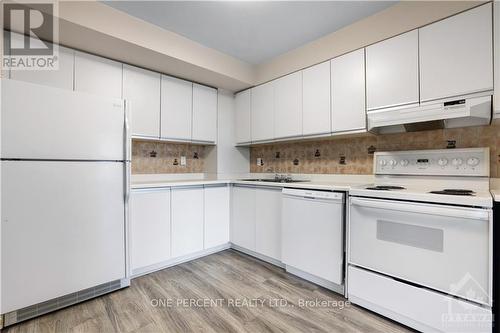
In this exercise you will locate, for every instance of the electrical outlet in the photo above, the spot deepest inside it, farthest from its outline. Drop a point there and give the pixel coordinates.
(259, 161)
(183, 160)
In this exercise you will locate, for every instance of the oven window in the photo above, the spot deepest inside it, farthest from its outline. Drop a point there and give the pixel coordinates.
(411, 235)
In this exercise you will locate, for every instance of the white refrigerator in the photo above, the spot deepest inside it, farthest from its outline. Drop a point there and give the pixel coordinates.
(65, 160)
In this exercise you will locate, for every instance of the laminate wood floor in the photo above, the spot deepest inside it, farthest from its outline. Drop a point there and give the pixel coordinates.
(224, 292)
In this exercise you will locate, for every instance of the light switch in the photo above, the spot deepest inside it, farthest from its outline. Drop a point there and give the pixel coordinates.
(183, 160)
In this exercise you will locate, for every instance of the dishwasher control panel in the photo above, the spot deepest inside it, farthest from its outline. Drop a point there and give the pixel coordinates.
(313, 194)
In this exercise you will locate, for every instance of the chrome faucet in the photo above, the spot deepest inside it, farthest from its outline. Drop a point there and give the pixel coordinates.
(282, 177)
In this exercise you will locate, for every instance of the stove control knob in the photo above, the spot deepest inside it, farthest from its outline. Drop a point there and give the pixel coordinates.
(393, 162)
(457, 162)
(382, 162)
(473, 161)
(404, 162)
(443, 161)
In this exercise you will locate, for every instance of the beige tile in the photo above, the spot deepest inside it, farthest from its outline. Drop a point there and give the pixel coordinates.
(355, 149)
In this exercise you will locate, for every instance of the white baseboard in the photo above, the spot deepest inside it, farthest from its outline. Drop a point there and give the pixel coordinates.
(176, 261)
(316, 280)
(259, 256)
(179, 260)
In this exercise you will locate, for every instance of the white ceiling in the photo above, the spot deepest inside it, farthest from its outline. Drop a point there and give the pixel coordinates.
(252, 31)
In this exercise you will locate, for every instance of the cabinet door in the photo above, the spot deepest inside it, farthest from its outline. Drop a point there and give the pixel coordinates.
(176, 108)
(262, 98)
(243, 117)
(243, 217)
(392, 72)
(97, 75)
(497, 59)
(149, 227)
(187, 220)
(62, 77)
(141, 88)
(316, 99)
(204, 113)
(268, 222)
(288, 106)
(456, 55)
(216, 215)
(348, 92)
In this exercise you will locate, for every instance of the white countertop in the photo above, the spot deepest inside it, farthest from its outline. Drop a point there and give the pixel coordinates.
(174, 183)
(317, 185)
(339, 183)
(495, 188)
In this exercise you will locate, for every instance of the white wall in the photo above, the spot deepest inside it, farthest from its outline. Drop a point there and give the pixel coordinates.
(231, 161)
(401, 17)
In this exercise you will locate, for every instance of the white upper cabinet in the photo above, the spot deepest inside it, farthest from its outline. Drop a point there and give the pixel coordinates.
(288, 106)
(392, 72)
(187, 220)
(176, 108)
(316, 99)
(62, 77)
(348, 92)
(243, 117)
(262, 98)
(456, 55)
(204, 113)
(97, 75)
(141, 88)
(497, 58)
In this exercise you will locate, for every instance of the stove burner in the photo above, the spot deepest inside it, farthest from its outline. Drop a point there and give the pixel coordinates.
(385, 188)
(455, 192)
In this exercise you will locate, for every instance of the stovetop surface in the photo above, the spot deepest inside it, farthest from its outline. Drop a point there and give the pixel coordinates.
(426, 191)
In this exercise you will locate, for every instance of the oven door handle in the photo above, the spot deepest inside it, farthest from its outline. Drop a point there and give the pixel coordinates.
(458, 212)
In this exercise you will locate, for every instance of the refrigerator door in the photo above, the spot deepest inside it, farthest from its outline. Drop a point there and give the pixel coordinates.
(40, 122)
(62, 229)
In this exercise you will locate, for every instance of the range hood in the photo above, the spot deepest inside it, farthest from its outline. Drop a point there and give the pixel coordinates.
(461, 112)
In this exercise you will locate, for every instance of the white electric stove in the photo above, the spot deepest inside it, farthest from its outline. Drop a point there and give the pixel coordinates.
(420, 240)
(447, 176)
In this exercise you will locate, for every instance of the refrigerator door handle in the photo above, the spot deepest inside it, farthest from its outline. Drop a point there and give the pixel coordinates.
(127, 138)
(126, 184)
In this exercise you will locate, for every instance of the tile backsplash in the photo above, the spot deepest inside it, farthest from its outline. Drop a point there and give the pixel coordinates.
(150, 157)
(355, 155)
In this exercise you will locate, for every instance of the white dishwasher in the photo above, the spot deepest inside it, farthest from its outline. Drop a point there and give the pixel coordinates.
(313, 236)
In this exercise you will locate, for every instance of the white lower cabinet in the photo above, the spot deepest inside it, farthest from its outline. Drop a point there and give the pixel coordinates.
(187, 220)
(268, 222)
(217, 213)
(256, 219)
(149, 227)
(243, 217)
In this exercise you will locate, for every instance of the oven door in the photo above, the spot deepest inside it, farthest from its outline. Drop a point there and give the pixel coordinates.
(445, 248)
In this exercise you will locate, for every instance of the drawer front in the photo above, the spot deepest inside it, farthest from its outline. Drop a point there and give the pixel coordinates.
(426, 244)
(419, 308)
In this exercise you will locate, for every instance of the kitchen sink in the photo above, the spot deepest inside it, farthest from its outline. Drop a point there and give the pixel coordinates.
(274, 180)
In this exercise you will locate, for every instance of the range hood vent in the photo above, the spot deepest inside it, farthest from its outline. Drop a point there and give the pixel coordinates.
(460, 112)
